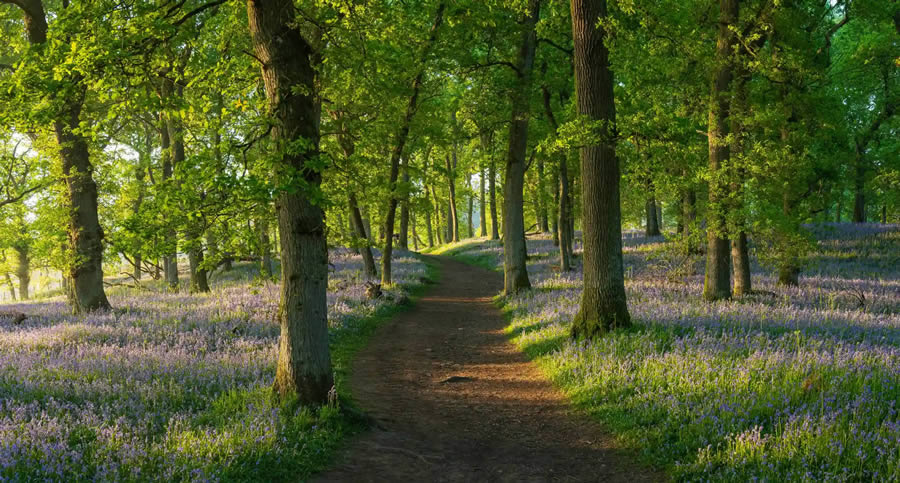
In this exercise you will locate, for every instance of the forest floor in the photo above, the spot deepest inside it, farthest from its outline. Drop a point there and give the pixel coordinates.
(453, 400)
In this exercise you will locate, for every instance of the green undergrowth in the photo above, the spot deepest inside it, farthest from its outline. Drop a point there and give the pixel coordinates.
(304, 440)
(783, 390)
(485, 257)
(348, 419)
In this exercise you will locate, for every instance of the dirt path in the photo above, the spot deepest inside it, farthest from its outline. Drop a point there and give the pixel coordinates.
(453, 400)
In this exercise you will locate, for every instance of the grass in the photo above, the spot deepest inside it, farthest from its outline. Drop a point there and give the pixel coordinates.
(480, 252)
(802, 386)
(178, 387)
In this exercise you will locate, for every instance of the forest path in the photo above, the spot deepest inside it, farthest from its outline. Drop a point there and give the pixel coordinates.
(453, 400)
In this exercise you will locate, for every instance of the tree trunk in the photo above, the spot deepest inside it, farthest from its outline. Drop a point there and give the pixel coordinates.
(570, 213)
(471, 223)
(428, 231)
(659, 218)
(565, 235)
(554, 225)
(448, 230)
(362, 241)
(561, 235)
(652, 226)
(717, 280)
(543, 222)
(453, 216)
(789, 270)
(304, 361)
(399, 143)
(84, 231)
(403, 242)
(603, 305)
(859, 193)
(199, 276)
(492, 188)
(740, 255)
(481, 202)
(431, 207)
(139, 175)
(265, 248)
(170, 261)
(12, 287)
(415, 237)
(23, 271)
(514, 248)
(689, 210)
(441, 234)
(364, 210)
(740, 258)
(487, 144)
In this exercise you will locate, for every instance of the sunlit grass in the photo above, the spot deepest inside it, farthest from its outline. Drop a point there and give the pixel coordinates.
(177, 387)
(799, 386)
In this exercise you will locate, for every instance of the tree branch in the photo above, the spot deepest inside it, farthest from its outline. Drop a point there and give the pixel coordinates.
(198, 10)
(474, 67)
(551, 43)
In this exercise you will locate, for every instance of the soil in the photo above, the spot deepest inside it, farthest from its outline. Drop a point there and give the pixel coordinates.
(453, 400)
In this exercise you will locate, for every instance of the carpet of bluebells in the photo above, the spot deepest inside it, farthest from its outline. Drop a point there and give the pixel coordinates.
(789, 384)
(169, 386)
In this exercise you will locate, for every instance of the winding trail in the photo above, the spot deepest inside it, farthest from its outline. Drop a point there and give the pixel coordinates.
(453, 400)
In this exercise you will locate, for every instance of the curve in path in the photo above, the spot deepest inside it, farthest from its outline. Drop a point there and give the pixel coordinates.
(453, 400)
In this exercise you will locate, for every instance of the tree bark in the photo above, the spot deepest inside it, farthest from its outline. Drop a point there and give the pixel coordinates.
(265, 248)
(403, 242)
(487, 145)
(84, 231)
(199, 275)
(170, 259)
(400, 139)
(492, 189)
(740, 251)
(471, 221)
(304, 362)
(481, 202)
(23, 270)
(543, 222)
(789, 270)
(515, 273)
(659, 217)
(554, 224)
(603, 304)
(139, 174)
(415, 237)
(11, 286)
(561, 235)
(453, 218)
(717, 280)
(565, 235)
(441, 234)
(859, 193)
(740, 258)
(689, 210)
(361, 239)
(652, 226)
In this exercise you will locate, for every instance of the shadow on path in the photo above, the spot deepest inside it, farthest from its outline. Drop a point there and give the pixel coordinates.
(453, 400)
